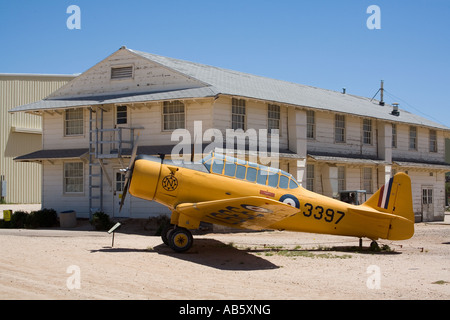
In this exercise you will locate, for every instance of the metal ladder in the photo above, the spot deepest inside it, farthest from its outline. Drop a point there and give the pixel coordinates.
(95, 164)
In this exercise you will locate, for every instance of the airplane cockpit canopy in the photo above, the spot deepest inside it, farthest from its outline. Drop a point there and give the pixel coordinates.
(244, 170)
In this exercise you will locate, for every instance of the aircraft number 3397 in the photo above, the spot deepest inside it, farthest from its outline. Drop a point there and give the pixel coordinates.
(319, 212)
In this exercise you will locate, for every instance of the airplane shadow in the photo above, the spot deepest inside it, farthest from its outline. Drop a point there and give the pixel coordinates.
(208, 252)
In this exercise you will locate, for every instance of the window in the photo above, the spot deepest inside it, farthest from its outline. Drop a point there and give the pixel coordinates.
(73, 177)
(251, 174)
(427, 196)
(310, 177)
(367, 179)
(284, 182)
(367, 131)
(121, 115)
(238, 114)
(394, 135)
(310, 124)
(173, 115)
(273, 117)
(339, 128)
(412, 138)
(120, 181)
(73, 122)
(262, 175)
(230, 169)
(240, 172)
(433, 141)
(122, 73)
(293, 184)
(273, 179)
(217, 166)
(341, 178)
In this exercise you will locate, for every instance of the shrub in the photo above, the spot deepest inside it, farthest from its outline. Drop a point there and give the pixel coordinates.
(100, 221)
(44, 218)
(19, 219)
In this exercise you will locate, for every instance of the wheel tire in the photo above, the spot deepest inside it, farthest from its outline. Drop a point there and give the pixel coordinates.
(181, 240)
(166, 233)
(374, 246)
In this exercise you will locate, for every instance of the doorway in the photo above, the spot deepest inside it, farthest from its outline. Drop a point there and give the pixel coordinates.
(427, 204)
(119, 184)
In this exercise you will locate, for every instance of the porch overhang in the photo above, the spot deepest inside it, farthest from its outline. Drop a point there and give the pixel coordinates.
(55, 154)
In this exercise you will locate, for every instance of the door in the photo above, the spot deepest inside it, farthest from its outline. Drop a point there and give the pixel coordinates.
(123, 133)
(119, 183)
(427, 204)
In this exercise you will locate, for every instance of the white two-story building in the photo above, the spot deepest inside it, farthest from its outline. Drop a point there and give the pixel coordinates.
(330, 141)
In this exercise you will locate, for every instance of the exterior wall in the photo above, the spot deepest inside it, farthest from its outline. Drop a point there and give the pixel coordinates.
(53, 195)
(20, 133)
(147, 77)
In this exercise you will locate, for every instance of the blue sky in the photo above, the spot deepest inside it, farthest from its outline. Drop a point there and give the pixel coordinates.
(322, 43)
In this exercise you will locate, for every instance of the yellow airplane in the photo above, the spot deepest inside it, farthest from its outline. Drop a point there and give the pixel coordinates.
(231, 192)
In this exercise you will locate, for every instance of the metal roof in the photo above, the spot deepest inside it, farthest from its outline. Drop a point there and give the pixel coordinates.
(228, 82)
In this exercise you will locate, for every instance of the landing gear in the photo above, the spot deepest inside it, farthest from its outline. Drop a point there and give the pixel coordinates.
(179, 239)
(374, 246)
(166, 232)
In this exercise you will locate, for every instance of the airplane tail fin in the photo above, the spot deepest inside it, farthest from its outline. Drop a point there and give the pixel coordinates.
(395, 198)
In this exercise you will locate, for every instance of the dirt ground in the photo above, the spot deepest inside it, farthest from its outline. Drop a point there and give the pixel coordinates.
(81, 264)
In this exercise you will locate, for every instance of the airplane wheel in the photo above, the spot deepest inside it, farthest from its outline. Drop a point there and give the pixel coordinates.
(181, 240)
(166, 232)
(374, 246)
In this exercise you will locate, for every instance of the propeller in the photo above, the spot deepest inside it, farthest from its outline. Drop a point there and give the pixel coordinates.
(128, 172)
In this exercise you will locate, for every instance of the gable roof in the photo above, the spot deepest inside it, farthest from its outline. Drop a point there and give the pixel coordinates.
(215, 81)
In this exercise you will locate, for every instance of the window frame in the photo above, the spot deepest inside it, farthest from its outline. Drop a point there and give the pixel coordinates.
(367, 131)
(339, 131)
(176, 123)
(273, 117)
(394, 135)
(310, 124)
(310, 176)
(121, 117)
(66, 177)
(67, 121)
(413, 138)
(238, 118)
(433, 145)
(367, 179)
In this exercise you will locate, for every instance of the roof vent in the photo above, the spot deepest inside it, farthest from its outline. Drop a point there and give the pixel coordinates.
(395, 111)
(121, 73)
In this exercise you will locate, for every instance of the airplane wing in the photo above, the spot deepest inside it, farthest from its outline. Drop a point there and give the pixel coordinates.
(255, 213)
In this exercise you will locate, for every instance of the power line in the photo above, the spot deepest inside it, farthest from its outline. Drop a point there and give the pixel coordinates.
(414, 108)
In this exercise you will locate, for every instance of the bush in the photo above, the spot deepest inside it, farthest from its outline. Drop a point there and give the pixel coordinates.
(19, 219)
(45, 218)
(100, 221)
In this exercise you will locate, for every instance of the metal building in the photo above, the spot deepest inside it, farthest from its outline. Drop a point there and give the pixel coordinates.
(21, 133)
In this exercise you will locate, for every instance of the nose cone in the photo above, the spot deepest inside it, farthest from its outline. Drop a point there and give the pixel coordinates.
(145, 177)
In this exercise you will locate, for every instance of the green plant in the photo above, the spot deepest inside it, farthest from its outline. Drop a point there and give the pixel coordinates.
(44, 218)
(101, 221)
(19, 219)
(162, 221)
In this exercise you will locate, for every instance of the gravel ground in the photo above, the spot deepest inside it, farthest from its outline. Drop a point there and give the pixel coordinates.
(81, 264)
